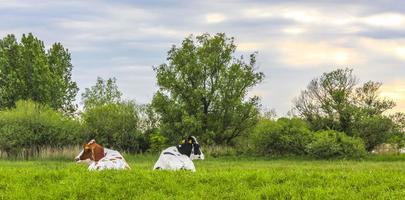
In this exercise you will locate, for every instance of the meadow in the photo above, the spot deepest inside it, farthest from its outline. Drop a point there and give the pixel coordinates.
(216, 178)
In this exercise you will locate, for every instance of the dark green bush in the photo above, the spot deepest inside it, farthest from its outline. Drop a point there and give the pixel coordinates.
(115, 125)
(374, 130)
(31, 126)
(281, 137)
(334, 144)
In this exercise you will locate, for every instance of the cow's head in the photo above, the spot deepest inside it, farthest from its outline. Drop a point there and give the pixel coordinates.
(191, 148)
(91, 151)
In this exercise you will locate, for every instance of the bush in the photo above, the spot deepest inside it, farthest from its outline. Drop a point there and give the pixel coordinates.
(31, 126)
(115, 125)
(333, 144)
(374, 130)
(281, 137)
(157, 142)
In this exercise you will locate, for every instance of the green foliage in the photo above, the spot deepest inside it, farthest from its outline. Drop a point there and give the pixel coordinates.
(157, 142)
(115, 125)
(202, 90)
(334, 144)
(281, 137)
(374, 130)
(242, 178)
(326, 103)
(398, 133)
(27, 71)
(104, 92)
(31, 126)
(332, 102)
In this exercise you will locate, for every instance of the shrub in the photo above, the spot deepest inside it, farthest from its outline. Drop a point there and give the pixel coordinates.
(115, 125)
(157, 142)
(334, 144)
(31, 126)
(374, 130)
(281, 137)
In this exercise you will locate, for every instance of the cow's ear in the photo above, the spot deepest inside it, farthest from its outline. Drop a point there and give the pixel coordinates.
(190, 141)
(183, 141)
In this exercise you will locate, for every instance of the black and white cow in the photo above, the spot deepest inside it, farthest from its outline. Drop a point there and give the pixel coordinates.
(180, 156)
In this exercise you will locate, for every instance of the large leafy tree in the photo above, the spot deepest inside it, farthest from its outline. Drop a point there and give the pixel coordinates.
(203, 89)
(28, 71)
(334, 101)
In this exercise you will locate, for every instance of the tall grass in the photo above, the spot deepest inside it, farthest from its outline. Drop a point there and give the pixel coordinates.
(67, 152)
(214, 151)
(219, 151)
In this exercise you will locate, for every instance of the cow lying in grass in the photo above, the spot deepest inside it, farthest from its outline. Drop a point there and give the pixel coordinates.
(181, 156)
(100, 158)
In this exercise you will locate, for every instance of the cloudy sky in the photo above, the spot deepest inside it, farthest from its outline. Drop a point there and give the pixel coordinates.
(296, 40)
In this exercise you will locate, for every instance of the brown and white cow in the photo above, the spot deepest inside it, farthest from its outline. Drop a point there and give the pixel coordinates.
(100, 158)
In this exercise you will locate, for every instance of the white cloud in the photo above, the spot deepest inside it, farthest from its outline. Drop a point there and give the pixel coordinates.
(300, 14)
(213, 18)
(311, 54)
(394, 48)
(400, 51)
(386, 20)
(115, 23)
(294, 30)
(117, 38)
(326, 16)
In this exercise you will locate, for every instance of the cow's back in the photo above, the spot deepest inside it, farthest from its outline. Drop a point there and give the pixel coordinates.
(112, 160)
(172, 159)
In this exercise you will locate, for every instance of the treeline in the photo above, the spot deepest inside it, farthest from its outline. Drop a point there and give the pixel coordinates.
(202, 91)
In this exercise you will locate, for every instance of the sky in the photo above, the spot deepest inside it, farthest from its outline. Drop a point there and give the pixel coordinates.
(296, 41)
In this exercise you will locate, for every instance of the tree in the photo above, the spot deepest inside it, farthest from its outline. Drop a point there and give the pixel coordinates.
(63, 86)
(29, 72)
(399, 129)
(110, 120)
(367, 98)
(333, 102)
(203, 88)
(104, 92)
(326, 101)
(374, 130)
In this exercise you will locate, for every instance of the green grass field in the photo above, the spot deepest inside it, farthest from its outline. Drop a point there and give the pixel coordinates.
(225, 178)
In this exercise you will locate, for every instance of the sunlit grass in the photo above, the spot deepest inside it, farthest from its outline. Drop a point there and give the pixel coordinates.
(225, 178)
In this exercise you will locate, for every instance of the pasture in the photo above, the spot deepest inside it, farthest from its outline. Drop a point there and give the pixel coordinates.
(216, 178)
